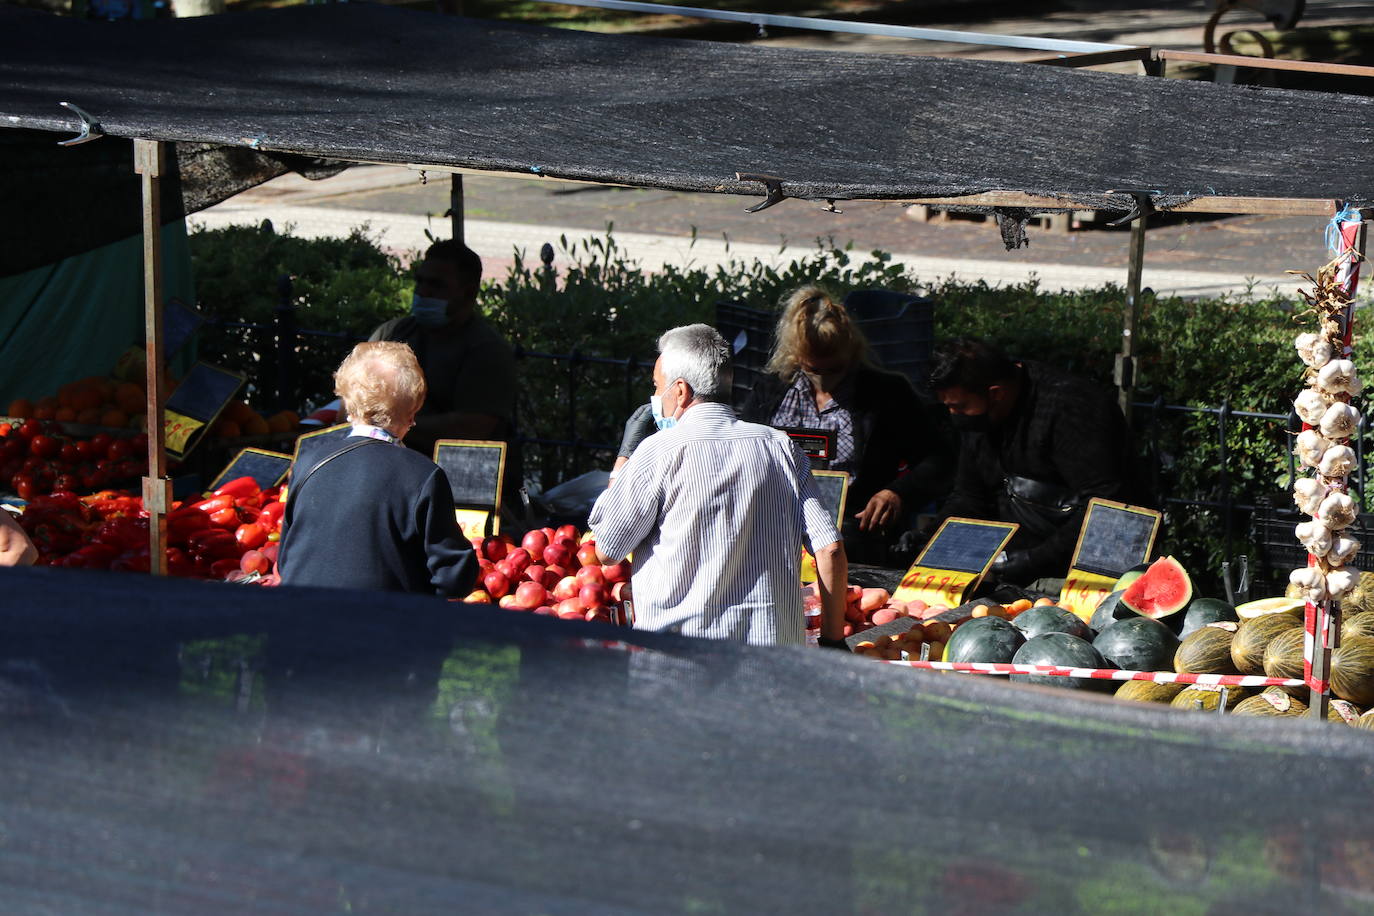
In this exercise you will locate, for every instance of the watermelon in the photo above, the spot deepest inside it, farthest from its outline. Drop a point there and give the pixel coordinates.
(1108, 609)
(1207, 651)
(984, 639)
(1129, 576)
(1062, 649)
(1148, 691)
(1204, 611)
(1047, 618)
(1161, 590)
(1138, 644)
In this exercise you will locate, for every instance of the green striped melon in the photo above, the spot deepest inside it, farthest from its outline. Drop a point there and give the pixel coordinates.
(1352, 670)
(1148, 691)
(1254, 636)
(1270, 702)
(1206, 698)
(1361, 624)
(1207, 651)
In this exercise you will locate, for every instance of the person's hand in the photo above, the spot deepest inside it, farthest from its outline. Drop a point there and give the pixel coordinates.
(882, 510)
(638, 427)
(1013, 566)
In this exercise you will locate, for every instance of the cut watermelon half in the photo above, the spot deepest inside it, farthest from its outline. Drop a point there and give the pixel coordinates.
(1162, 590)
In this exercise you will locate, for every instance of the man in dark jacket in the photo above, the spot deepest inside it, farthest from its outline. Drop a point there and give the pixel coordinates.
(1035, 445)
(369, 513)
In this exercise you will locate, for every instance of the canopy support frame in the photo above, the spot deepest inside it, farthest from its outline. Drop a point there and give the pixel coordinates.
(150, 162)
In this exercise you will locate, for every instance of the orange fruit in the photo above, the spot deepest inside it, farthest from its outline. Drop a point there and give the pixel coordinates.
(46, 412)
(226, 429)
(239, 412)
(20, 407)
(1041, 602)
(114, 417)
(128, 397)
(87, 397)
(50, 402)
(280, 422)
(65, 414)
(255, 426)
(90, 416)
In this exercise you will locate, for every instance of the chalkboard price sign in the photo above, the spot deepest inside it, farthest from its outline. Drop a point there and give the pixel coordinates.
(834, 490)
(266, 468)
(1114, 538)
(311, 447)
(475, 469)
(956, 557)
(195, 405)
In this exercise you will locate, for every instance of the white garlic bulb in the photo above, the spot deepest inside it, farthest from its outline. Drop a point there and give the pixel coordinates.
(1340, 582)
(1311, 581)
(1315, 536)
(1322, 351)
(1337, 461)
(1304, 343)
(1337, 511)
(1343, 550)
(1311, 405)
(1339, 377)
(1340, 421)
(1308, 493)
(1311, 447)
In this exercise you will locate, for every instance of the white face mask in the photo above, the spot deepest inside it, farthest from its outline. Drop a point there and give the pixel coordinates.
(656, 408)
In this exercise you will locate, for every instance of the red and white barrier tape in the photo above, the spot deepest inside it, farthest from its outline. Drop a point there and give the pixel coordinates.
(1108, 674)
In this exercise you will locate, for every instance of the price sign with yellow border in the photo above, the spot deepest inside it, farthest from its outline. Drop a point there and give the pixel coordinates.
(476, 471)
(833, 487)
(195, 405)
(956, 558)
(1114, 538)
(473, 522)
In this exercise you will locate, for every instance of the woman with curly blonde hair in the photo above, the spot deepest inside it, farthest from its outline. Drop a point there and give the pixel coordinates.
(895, 449)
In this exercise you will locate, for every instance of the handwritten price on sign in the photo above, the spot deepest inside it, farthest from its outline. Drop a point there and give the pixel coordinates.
(473, 522)
(178, 430)
(934, 586)
(1083, 592)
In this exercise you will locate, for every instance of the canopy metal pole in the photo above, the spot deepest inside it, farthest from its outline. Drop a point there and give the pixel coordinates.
(455, 206)
(1125, 360)
(150, 162)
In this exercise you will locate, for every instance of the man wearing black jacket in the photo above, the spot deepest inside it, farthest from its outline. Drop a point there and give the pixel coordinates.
(1035, 445)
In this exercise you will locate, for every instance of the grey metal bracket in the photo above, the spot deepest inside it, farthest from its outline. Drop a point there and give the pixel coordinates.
(90, 127)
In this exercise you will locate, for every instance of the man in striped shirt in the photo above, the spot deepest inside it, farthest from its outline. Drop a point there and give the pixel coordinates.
(716, 512)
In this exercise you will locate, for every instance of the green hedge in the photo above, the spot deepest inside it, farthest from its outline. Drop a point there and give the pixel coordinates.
(1235, 350)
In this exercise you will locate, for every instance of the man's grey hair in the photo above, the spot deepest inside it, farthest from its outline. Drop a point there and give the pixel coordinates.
(697, 354)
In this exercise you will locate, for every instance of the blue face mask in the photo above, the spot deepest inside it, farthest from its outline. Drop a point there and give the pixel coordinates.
(656, 408)
(428, 311)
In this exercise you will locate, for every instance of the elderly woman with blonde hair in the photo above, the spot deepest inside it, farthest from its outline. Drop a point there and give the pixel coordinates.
(367, 514)
(896, 450)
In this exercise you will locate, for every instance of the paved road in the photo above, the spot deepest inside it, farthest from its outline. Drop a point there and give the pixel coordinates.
(1199, 257)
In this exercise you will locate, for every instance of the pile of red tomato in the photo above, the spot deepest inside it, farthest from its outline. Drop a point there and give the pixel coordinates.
(230, 534)
(36, 458)
(555, 572)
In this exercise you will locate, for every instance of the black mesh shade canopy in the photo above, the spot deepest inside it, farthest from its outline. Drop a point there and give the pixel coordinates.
(184, 747)
(372, 83)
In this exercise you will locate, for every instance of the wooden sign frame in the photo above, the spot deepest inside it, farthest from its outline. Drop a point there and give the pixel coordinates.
(185, 427)
(940, 585)
(224, 477)
(1085, 587)
(494, 507)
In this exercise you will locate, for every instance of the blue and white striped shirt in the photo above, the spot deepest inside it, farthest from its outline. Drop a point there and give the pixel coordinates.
(716, 512)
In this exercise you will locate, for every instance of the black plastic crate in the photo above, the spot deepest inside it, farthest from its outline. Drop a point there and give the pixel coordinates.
(1279, 551)
(900, 329)
(749, 332)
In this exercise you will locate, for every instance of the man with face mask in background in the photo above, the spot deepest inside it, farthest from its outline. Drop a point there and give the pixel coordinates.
(469, 368)
(1035, 445)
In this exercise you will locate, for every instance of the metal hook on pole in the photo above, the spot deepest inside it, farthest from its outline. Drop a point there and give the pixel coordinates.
(90, 127)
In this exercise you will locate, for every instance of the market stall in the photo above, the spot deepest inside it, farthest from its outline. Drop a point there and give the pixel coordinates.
(677, 115)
